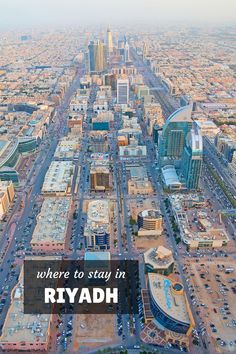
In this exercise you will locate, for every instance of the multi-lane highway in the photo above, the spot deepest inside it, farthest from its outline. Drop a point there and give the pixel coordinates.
(168, 103)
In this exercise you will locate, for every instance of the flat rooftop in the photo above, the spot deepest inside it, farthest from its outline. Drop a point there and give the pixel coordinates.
(99, 169)
(151, 214)
(58, 177)
(98, 212)
(197, 222)
(99, 156)
(22, 327)
(138, 173)
(159, 257)
(173, 305)
(52, 221)
(66, 148)
(140, 185)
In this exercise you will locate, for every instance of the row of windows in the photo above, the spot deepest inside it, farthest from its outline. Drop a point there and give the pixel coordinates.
(166, 321)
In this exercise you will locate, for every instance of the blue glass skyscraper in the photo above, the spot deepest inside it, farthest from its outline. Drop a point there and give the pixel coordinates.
(173, 135)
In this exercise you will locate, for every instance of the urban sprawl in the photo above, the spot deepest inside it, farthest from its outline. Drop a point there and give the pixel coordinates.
(121, 145)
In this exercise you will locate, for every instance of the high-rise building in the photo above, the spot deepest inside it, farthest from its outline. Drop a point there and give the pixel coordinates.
(122, 91)
(97, 57)
(121, 43)
(126, 53)
(91, 56)
(109, 42)
(173, 135)
(192, 159)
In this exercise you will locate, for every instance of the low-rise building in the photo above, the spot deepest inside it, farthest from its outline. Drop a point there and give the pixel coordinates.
(197, 224)
(75, 123)
(24, 332)
(99, 178)
(150, 223)
(169, 304)
(138, 182)
(132, 151)
(122, 140)
(66, 148)
(58, 178)
(79, 102)
(170, 178)
(159, 260)
(51, 229)
(139, 187)
(100, 105)
(98, 228)
(103, 121)
(98, 142)
(7, 194)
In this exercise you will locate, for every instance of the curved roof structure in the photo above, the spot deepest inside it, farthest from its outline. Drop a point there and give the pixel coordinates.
(183, 114)
(170, 176)
(173, 305)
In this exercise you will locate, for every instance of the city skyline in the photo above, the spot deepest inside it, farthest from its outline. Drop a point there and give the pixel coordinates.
(117, 144)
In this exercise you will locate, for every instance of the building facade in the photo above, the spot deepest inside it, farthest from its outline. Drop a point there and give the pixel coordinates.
(97, 57)
(192, 159)
(174, 133)
(6, 197)
(122, 91)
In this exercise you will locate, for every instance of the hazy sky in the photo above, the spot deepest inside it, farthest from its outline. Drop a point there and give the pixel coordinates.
(65, 12)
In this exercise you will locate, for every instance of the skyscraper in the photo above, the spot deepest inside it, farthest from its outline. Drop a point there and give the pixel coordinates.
(192, 159)
(172, 137)
(126, 53)
(97, 57)
(91, 56)
(109, 42)
(122, 91)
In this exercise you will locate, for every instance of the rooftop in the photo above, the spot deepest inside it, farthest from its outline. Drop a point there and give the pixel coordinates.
(160, 257)
(150, 214)
(183, 114)
(197, 223)
(58, 177)
(170, 176)
(98, 212)
(52, 221)
(20, 327)
(174, 305)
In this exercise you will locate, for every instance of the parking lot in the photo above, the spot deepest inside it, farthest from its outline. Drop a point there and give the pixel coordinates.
(212, 285)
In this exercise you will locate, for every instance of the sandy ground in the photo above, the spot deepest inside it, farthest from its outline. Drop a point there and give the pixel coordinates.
(92, 331)
(144, 243)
